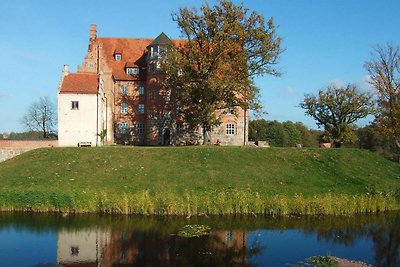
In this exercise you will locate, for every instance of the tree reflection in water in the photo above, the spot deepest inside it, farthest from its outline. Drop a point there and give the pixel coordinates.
(222, 248)
(386, 240)
(152, 241)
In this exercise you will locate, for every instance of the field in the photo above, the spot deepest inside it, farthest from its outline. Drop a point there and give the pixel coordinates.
(199, 180)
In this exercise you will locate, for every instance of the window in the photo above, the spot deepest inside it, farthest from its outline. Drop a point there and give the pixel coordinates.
(141, 90)
(140, 128)
(161, 51)
(179, 128)
(230, 128)
(151, 113)
(167, 114)
(123, 128)
(124, 90)
(74, 104)
(141, 108)
(134, 71)
(230, 111)
(118, 57)
(153, 51)
(124, 108)
(74, 251)
(91, 65)
(151, 94)
(178, 108)
(229, 236)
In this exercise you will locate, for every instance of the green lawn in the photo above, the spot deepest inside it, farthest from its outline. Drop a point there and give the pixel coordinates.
(187, 180)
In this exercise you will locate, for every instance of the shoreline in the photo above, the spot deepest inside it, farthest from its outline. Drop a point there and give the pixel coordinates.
(342, 262)
(192, 204)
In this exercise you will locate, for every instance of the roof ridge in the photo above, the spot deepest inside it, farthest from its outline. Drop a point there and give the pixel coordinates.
(125, 38)
(129, 38)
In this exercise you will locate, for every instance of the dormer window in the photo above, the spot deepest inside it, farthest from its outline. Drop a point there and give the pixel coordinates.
(230, 111)
(134, 71)
(153, 51)
(117, 57)
(157, 51)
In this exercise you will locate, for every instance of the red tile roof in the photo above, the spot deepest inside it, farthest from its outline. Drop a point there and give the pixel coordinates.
(80, 83)
(130, 65)
(133, 53)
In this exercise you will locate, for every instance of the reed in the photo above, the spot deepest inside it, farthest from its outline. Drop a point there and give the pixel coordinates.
(189, 203)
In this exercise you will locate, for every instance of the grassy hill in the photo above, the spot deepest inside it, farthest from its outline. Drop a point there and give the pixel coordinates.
(193, 180)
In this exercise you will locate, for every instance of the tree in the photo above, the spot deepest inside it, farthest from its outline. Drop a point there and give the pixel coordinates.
(293, 135)
(307, 138)
(225, 48)
(384, 71)
(41, 116)
(337, 109)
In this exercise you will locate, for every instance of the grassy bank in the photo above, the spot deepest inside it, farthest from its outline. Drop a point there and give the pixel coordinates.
(199, 180)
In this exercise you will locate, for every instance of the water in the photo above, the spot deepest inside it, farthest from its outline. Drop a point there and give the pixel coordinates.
(82, 240)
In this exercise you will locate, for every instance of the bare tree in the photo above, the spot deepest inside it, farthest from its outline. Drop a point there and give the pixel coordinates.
(41, 116)
(384, 70)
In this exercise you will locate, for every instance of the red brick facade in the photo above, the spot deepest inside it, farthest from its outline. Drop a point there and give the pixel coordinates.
(139, 109)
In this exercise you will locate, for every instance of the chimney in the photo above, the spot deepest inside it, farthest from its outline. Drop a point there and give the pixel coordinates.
(93, 32)
(65, 70)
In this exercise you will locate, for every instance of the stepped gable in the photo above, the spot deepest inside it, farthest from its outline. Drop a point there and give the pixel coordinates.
(80, 83)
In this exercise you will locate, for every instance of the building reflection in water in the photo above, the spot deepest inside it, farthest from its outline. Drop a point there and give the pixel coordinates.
(81, 247)
(86, 248)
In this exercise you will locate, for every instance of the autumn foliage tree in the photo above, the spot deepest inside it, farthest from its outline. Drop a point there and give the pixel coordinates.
(337, 109)
(384, 71)
(225, 47)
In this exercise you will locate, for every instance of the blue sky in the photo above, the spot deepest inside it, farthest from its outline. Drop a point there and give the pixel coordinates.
(326, 42)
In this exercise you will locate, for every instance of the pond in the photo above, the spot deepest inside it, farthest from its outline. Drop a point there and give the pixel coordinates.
(95, 240)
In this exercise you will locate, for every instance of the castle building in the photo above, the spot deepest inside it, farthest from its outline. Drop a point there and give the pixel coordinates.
(119, 89)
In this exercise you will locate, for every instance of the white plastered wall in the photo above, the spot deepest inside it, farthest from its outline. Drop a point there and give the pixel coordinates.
(78, 125)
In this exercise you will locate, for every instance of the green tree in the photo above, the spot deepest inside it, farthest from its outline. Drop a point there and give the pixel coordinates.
(292, 133)
(305, 135)
(283, 134)
(384, 71)
(257, 129)
(225, 47)
(337, 109)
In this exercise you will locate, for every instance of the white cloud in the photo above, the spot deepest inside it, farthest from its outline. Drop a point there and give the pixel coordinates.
(337, 83)
(288, 91)
(3, 95)
(364, 84)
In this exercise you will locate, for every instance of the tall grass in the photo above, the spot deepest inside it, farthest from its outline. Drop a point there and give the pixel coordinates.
(192, 203)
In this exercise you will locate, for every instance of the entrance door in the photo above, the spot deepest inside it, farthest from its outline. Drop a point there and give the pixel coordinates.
(167, 137)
